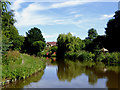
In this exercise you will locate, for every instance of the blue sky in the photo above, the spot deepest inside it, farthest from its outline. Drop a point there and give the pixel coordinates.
(53, 18)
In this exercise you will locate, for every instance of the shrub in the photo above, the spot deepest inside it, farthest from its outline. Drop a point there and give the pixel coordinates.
(86, 56)
(100, 57)
(11, 56)
(81, 55)
(109, 58)
(112, 58)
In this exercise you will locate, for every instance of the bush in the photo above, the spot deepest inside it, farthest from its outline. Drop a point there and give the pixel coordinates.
(11, 56)
(38, 47)
(100, 57)
(86, 56)
(109, 58)
(112, 58)
(81, 55)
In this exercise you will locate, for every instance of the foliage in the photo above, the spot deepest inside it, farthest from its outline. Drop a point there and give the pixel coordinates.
(109, 58)
(18, 42)
(18, 70)
(5, 43)
(9, 31)
(33, 35)
(54, 49)
(67, 42)
(11, 56)
(80, 55)
(89, 41)
(38, 46)
(113, 32)
(4, 5)
(92, 34)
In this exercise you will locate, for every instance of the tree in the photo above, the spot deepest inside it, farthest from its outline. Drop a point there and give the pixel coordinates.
(38, 47)
(33, 35)
(5, 43)
(92, 34)
(17, 43)
(67, 42)
(113, 33)
(9, 31)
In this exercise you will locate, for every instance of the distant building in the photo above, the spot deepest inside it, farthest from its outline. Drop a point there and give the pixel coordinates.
(49, 44)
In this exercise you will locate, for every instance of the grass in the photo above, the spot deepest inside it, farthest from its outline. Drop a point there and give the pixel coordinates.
(22, 66)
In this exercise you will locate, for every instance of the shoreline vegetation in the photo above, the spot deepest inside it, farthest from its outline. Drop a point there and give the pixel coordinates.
(20, 66)
(109, 59)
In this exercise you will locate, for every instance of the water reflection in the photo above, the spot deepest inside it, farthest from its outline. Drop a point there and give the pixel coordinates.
(68, 70)
(21, 83)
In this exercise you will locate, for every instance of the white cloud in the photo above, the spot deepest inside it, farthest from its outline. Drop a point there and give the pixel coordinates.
(73, 12)
(29, 17)
(105, 16)
(16, 5)
(78, 15)
(67, 3)
(66, 0)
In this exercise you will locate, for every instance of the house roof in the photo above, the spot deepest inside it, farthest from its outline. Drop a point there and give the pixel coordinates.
(52, 43)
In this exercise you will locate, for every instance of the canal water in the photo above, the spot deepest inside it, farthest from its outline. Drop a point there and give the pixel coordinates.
(69, 74)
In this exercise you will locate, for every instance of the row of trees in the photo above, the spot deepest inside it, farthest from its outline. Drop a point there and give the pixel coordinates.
(33, 43)
(110, 40)
(94, 42)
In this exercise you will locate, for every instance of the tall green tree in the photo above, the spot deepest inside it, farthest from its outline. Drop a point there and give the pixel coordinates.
(92, 35)
(113, 32)
(9, 31)
(33, 35)
(67, 42)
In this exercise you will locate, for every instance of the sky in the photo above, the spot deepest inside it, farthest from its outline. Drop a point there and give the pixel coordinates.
(63, 16)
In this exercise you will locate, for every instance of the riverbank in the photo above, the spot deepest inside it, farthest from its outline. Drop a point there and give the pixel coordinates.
(110, 59)
(20, 67)
(106, 61)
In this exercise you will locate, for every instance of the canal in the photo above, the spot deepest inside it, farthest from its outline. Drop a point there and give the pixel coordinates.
(69, 74)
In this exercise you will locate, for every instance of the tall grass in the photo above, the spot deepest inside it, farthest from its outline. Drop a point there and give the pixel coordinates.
(11, 56)
(15, 69)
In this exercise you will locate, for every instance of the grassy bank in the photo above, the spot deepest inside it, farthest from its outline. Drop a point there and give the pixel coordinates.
(110, 59)
(19, 66)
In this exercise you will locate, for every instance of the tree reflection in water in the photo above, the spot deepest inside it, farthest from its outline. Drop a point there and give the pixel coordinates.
(67, 70)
